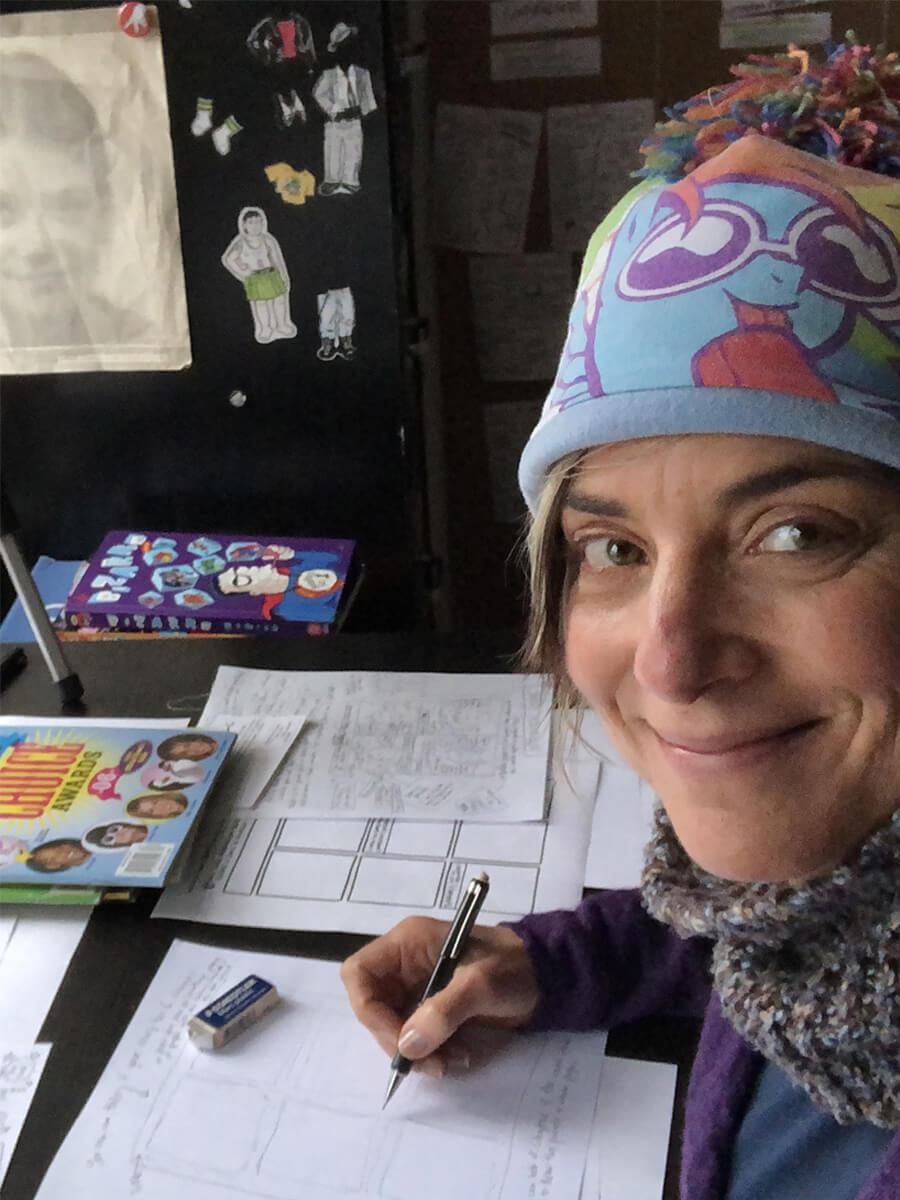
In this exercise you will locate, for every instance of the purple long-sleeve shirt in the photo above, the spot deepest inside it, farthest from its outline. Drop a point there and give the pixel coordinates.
(609, 962)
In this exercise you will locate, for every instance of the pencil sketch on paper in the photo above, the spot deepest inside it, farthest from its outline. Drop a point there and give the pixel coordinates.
(254, 257)
(293, 1107)
(21, 1067)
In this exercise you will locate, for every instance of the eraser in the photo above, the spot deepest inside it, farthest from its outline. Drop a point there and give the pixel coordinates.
(232, 1013)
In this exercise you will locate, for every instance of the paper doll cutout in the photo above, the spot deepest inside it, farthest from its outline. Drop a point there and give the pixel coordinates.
(288, 108)
(254, 257)
(337, 318)
(344, 94)
(293, 186)
(222, 133)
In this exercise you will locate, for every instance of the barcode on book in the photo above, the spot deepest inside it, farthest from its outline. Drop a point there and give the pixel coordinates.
(145, 860)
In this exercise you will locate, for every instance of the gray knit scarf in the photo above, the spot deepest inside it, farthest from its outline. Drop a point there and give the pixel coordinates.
(808, 974)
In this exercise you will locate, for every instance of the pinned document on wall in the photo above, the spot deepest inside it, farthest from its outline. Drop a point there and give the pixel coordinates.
(91, 275)
(772, 28)
(540, 16)
(592, 150)
(484, 164)
(520, 307)
(546, 58)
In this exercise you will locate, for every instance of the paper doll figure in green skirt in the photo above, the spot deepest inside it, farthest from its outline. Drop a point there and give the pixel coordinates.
(254, 257)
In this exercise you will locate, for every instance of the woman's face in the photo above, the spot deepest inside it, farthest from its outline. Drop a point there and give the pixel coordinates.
(734, 618)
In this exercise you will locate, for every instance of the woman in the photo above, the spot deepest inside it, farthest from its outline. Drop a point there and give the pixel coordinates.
(715, 565)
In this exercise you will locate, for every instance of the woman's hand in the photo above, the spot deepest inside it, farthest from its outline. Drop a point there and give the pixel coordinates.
(494, 983)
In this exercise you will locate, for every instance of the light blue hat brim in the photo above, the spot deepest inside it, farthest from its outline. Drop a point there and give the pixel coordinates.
(854, 425)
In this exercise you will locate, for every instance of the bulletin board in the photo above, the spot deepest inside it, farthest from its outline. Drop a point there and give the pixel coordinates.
(294, 416)
(659, 51)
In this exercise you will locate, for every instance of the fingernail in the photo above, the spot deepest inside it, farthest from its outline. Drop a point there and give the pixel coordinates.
(411, 1043)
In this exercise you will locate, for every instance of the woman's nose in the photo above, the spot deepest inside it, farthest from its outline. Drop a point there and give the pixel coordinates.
(691, 635)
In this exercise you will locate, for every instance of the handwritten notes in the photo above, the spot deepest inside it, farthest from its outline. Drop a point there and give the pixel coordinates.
(592, 149)
(293, 1108)
(549, 58)
(400, 744)
(484, 162)
(540, 16)
(21, 1067)
(520, 307)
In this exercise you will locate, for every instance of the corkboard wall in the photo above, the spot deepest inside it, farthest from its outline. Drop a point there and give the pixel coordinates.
(664, 49)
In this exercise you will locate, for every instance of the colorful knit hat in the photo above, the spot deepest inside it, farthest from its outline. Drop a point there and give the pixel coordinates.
(759, 294)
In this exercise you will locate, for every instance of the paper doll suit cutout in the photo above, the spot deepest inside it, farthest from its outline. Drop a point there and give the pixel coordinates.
(254, 258)
(344, 94)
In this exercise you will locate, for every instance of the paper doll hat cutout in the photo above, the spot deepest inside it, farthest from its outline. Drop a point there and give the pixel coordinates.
(340, 33)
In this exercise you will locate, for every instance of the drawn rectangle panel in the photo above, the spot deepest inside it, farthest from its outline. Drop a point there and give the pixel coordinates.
(512, 889)
(397, 881)
(298, 875)
(206, 1107)
(502, 843)
(422, 839)
(301, 1151)
(475, 1170)
(246, 868)
(308, 833)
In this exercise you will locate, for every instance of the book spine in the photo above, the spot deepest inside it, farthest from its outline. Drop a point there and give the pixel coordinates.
(150, 623)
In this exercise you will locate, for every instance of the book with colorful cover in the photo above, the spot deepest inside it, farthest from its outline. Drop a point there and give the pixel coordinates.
(102, 806)
(140, 582)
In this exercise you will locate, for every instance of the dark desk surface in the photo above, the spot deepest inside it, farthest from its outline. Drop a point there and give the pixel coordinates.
(122, 948)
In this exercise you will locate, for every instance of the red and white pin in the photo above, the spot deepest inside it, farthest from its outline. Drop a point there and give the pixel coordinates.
(134, 19)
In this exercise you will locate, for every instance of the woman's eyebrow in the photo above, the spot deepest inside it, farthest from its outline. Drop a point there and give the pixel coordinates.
(780, 478)
(598, 506)
(751, 488)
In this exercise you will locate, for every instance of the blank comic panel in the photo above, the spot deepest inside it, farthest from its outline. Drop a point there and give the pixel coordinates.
(501, 843)
(512, 889)
(419, 1166)
(193, 1121)
(421, 839)
(397, 881)
(316, 1147)
(309, 833)
(295, 875)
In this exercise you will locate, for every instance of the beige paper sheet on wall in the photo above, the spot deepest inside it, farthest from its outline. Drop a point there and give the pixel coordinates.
(91, 277)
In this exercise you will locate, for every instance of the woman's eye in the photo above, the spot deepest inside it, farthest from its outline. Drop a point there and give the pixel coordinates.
(796, 535)
(603, 552)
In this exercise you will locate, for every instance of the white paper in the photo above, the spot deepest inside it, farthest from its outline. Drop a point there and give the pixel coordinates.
(401, 744)
(775, 30)
(292, 1109)
(483, 171)
(621, 829)
(540, 16)
(520, 309)
(262, 744)
(118, 722)
(632, 1126)
(548, 58)
(507, 427)
(91, 275)
(21, 1067)
(362, 876)
(35, 953)
(739, 10)
(592, 148)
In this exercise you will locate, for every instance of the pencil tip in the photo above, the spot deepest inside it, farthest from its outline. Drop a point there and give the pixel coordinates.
(392, 1087)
